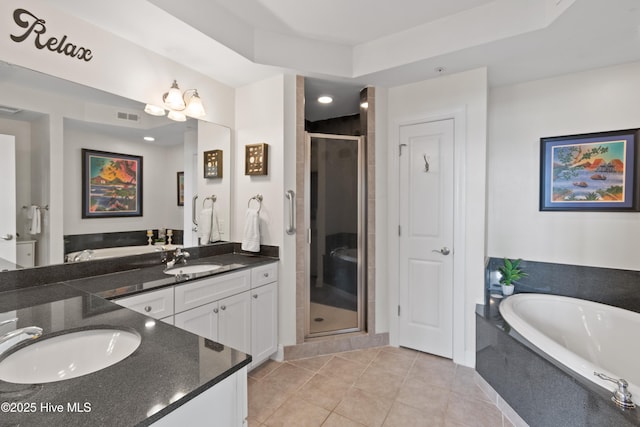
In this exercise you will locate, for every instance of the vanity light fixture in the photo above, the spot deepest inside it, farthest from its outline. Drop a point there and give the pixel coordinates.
(149, 138)
(177, 116)
(325, 99)
(180, 104)
(154, 110)
(364, 105)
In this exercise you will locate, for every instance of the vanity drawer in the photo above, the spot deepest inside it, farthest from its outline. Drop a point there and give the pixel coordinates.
(264, 274)
(156, 304)
(195, 294)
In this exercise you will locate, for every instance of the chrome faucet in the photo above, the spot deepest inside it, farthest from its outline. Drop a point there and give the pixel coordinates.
(179, 256)
(83, 256)
(7, 340)
(622, 396)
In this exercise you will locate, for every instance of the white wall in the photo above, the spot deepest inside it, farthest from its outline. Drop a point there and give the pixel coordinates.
(260, 118)
(519, 115)
(265, 112)
(463, 96)
(158, 179)
(214, 137)
(118, 66)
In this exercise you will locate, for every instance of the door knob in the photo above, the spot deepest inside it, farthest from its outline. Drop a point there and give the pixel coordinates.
(444, 251)
(7, 237)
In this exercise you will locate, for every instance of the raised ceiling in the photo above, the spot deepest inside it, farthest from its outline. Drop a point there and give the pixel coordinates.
(375, 42)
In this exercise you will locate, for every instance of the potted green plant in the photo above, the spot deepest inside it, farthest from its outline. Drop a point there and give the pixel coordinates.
(510, 272)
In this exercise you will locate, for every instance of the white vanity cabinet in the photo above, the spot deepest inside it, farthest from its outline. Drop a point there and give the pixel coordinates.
(264, 313)
(156, 304)
(225, 321)
(224, 404)
(26, 253)
(238, 309)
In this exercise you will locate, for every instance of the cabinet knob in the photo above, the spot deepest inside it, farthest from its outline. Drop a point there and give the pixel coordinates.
(266, 274)
(255, 296)
(215, 310)
(223, 307)
(147, 308)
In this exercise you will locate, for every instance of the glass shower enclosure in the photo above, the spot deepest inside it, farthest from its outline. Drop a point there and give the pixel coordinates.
(335, 253)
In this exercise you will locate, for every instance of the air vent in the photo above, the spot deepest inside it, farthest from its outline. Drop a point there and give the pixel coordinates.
(9, 110)
(128, 116)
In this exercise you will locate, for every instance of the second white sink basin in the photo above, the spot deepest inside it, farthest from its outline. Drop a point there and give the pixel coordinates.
(68, 356)
(192, 269)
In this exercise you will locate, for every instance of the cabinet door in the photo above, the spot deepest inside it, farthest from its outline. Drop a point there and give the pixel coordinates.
(201, 321)
(234, 328)
(157, 304)
(264, 322)
(25, 256)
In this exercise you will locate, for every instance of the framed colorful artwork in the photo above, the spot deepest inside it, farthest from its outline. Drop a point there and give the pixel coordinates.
(180, 188)
(111, 184)
(590, 172)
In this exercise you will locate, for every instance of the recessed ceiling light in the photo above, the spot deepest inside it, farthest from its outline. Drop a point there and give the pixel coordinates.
(149, 138)
(325, 99)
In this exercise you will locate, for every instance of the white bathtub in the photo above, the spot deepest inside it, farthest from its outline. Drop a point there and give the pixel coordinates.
(582, 335)
(91, 254)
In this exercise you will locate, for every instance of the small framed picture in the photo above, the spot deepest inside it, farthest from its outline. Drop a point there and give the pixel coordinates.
(180, 184)
(590, 172)
(213, 164)
(111, 184)
(256, 159)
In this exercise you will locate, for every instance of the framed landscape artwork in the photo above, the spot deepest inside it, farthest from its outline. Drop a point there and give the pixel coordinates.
(590, 172)
(111, 184)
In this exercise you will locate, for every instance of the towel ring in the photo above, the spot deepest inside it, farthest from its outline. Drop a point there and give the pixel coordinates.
(213, 199)
(257, 198)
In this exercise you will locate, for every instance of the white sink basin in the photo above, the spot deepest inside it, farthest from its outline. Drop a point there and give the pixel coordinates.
(68, 356)
(192, 269)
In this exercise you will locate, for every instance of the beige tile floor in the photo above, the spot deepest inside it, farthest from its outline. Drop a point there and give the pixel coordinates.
(384, 386)
(333, 318)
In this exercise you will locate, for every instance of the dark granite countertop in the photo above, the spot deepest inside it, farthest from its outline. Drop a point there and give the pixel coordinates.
(130, 282)
(170, 367)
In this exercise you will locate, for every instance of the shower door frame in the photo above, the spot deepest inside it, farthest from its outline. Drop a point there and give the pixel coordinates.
(362, 234)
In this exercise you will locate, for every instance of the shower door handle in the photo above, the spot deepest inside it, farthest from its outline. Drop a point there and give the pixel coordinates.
(291, 196)
(444, 251)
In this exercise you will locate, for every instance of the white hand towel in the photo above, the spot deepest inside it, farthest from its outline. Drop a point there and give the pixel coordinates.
(34, 219)
(214, 235)
(204, 225)
(251, 239)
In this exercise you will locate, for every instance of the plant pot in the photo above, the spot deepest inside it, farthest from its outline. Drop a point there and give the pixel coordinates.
(507, 289)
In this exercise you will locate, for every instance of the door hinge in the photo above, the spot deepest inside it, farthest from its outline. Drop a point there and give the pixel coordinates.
(399, 231)
(400, 149)
(398, 310)
(308, 235)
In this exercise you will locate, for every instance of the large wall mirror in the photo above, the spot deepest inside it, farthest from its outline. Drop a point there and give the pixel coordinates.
(46, 122)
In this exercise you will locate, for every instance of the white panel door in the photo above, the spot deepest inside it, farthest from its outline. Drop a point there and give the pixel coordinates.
(8, 195)
(426, 237)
